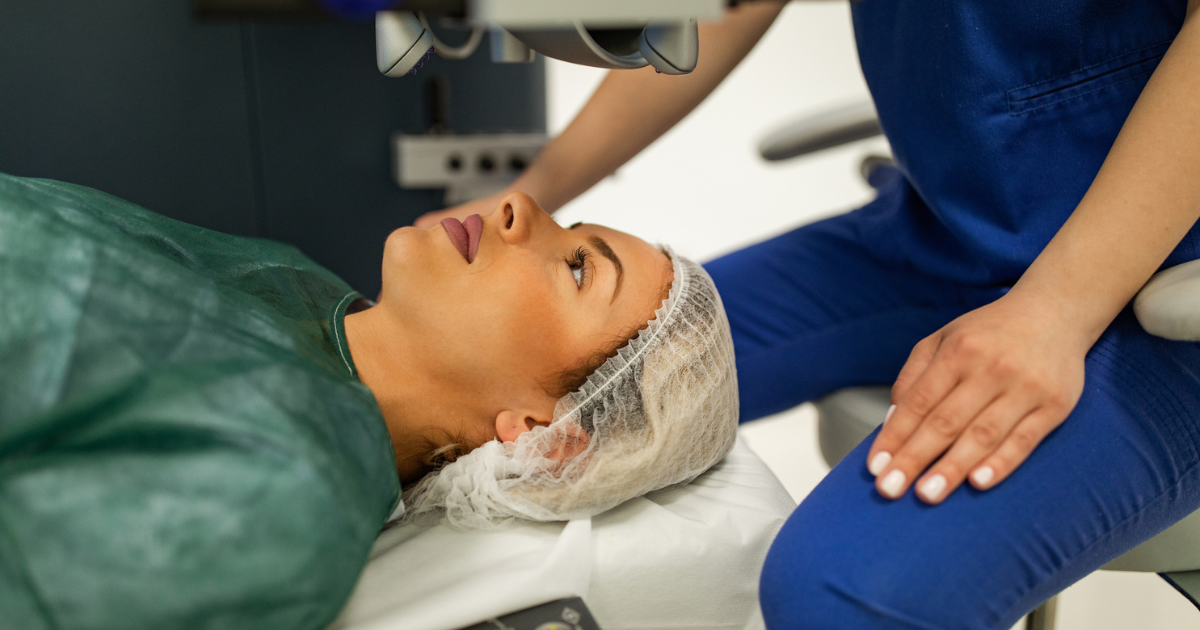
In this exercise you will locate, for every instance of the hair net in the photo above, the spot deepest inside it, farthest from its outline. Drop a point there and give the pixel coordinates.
(660, 412)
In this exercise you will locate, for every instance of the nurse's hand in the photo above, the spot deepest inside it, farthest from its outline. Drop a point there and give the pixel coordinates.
(976, 397)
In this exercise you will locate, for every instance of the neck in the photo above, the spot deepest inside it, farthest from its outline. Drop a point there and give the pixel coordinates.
(388, 366)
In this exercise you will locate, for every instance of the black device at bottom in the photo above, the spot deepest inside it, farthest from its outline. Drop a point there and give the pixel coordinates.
(561, 614)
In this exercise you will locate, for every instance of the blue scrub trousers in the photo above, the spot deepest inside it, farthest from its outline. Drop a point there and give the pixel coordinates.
(999, 116)
(815, 310)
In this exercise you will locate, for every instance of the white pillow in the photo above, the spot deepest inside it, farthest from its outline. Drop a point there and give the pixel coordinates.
(683, 557)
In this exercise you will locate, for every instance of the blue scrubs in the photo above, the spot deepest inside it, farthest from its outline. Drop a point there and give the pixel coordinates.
(999, 114)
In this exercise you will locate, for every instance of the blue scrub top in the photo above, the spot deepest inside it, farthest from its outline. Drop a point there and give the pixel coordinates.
(1000, 115)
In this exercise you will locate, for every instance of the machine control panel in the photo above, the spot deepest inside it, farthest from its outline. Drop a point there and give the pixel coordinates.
(467, 166)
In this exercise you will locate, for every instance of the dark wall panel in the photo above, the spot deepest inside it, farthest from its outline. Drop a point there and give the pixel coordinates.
(133, 97)
(327, 117)
(275, 129)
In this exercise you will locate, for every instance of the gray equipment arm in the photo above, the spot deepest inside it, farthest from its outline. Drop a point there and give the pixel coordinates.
(615, 34)
(818, 132)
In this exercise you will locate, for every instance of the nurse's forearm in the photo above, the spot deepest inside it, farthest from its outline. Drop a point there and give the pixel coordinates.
(1141, 204)
(632, 108)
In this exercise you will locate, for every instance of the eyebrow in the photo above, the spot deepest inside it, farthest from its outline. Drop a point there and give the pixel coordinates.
(602, 246)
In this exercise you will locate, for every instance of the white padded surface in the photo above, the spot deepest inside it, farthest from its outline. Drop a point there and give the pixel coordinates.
(685, 557)
(1169, 304)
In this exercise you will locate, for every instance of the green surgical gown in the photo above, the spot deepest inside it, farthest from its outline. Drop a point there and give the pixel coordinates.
(184, 442)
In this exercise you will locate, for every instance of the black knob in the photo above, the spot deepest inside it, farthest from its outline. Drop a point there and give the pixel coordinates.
(487, 163)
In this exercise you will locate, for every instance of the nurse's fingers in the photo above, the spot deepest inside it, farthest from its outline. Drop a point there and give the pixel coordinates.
(935, 433)
(906, 415)
(1016, 446)
(980, 438)
(918, 360)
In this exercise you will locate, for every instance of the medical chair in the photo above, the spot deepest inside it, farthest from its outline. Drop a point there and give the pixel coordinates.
(687, 556)
(1168, 306)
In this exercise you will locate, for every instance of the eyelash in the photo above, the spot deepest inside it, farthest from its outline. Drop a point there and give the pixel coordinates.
(578, 262)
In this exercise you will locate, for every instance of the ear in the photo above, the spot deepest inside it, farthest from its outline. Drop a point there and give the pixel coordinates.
(510, 423)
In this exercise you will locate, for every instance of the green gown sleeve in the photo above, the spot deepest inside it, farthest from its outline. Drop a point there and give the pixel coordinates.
(183, 441)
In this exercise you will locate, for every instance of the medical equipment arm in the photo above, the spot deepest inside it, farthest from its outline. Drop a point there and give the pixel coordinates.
(993, 383)
(629, 110)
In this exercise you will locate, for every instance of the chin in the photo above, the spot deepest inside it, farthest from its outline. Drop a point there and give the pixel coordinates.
(400, 236)
(402, 244)
(400, 251)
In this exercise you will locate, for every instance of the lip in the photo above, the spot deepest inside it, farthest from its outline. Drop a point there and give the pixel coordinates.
(464, 235)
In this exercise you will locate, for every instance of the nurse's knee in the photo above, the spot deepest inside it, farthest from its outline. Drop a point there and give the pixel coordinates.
(812, 581)
(798, 584)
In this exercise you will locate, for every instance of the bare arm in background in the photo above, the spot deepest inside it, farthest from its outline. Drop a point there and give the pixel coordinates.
(629, 110)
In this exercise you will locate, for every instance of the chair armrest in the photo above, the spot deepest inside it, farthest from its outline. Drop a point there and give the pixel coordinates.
(818, 132)
(1169, 305)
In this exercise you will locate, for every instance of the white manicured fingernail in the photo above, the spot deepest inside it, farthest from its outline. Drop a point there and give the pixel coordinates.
(879, 462)
(983, 476)
(893, 483)
(888, 416)
(933, 487)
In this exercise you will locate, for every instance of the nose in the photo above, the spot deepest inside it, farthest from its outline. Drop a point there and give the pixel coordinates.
(520, 217)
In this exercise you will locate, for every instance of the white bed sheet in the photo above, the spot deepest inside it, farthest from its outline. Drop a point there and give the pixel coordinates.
(685, 557)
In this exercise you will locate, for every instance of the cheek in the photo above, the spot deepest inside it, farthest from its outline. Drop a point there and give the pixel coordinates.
(523, 327)
(501, 329)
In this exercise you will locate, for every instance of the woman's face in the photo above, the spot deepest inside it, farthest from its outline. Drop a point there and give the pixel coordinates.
(536, 300)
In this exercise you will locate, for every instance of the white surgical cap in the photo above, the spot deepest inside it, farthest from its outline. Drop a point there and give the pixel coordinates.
(660, 412)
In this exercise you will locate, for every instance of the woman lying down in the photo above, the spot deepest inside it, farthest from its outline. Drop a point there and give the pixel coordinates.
(201, 430)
